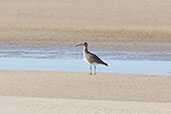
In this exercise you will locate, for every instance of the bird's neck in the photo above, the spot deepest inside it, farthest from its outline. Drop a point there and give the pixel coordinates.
(85, 49)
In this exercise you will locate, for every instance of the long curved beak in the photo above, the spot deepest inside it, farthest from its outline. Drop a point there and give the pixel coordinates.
(79, 45)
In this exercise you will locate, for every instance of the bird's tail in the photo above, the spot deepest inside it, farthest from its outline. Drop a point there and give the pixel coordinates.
(105, 64)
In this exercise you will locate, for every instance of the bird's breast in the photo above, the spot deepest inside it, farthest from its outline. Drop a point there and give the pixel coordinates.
(86, 59)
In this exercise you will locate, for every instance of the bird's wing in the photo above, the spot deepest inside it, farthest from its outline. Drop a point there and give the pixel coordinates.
(95, 59)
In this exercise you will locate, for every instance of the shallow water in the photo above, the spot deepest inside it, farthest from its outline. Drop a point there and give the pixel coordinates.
(78, 65)
(70, 52)
(51, 58)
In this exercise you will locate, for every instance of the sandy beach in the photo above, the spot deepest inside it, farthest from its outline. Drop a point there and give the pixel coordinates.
(116, 25)
(120, 24)
(40, 92)
(27, 105)
(75, 85)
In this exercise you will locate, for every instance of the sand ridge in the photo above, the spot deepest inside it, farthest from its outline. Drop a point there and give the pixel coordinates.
(75, 85)
(117, 24)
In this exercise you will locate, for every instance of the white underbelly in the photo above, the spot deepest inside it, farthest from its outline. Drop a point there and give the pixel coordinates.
(86, 60)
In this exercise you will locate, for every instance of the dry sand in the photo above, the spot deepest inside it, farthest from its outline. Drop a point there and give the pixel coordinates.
(74, 85)
(42, 92)
(26, 105)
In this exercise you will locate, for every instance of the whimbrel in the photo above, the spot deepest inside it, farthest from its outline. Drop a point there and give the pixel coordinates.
(91, 58)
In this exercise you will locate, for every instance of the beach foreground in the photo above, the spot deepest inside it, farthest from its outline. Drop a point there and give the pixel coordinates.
(26, 105)
(39, 92)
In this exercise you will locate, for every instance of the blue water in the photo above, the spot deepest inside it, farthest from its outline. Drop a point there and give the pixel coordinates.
(78, 65)
(58, 58)
(70, 52)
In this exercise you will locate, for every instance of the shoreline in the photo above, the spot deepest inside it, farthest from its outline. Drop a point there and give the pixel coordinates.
(116, 41)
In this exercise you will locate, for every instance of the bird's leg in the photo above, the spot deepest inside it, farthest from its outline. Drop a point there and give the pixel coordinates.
(90, 69)
(94, 69)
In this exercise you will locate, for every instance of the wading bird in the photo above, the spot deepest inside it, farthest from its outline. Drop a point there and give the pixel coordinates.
(91, 58)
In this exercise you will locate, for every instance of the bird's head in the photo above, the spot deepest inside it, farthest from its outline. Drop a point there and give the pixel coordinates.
(84, 44)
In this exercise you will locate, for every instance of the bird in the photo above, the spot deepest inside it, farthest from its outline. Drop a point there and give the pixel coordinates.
(91, 58)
